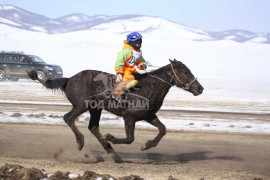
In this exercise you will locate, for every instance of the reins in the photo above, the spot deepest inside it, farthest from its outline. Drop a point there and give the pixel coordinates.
(159, 79)
(186, 85)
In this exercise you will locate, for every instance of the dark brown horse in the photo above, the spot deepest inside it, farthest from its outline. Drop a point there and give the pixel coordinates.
(91, 91)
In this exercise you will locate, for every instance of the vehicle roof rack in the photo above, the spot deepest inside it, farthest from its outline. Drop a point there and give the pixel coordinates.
(19, 52)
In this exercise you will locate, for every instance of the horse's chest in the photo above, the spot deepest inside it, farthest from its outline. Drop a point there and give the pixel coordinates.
(156, 105)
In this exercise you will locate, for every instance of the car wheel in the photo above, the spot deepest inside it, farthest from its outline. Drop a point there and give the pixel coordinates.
(2, 75)
(41, 75)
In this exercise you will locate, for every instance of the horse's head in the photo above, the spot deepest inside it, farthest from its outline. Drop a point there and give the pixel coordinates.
(183, 78)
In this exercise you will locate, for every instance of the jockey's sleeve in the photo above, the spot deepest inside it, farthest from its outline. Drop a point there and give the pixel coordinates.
(142, 59)
(120, 61)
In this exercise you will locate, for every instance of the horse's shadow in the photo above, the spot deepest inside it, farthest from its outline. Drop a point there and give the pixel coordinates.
(156, 158)
(177, 158)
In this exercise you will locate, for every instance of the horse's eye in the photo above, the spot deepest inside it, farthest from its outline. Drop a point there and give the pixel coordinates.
(185, 72)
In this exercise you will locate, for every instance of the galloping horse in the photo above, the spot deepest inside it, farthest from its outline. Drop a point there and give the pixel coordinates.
(91, 90)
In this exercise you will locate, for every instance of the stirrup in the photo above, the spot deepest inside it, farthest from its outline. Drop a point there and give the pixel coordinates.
(119, 99)
(113, 96)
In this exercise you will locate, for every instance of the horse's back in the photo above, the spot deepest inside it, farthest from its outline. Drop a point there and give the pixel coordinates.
(88, 83)
(88, 74)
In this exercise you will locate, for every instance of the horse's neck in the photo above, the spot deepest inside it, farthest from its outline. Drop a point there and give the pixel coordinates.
(160, 88)
(164, 91)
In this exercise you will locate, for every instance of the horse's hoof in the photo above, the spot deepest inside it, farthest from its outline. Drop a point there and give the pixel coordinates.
(80, 143)
(147, 145)
(80, 146)
(143, 148)
(115, 156)
(109, 137)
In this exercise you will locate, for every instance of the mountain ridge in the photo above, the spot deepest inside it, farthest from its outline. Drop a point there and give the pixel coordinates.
(20, 18)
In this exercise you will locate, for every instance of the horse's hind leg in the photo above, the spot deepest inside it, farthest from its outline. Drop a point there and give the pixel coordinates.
(162, 131)
(69, 119)
(130, 127)
(94, 129)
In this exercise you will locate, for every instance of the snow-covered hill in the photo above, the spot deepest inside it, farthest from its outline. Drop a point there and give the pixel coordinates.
(22, 19)
(97, 49)
(242, 36)
(93, 42)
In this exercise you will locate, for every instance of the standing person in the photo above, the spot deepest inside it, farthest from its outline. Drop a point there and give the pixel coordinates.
(129, 57)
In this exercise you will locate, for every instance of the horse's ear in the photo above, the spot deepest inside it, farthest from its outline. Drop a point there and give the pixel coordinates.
(170, 60)
(177, 61)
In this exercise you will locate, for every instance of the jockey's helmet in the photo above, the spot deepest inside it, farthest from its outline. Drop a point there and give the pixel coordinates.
(134, 36)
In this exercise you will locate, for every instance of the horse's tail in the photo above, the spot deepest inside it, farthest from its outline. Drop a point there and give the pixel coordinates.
(59, 83)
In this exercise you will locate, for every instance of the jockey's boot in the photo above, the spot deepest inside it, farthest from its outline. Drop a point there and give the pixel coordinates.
(122, 89)
(131, 84)
(119, 91)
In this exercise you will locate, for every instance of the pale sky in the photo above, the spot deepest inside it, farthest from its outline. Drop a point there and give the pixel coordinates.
(212, 15)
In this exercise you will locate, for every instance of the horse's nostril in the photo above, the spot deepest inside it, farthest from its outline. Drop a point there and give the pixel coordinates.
(201, 89)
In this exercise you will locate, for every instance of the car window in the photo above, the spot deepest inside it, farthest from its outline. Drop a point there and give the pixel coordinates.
(36, 59)
(11, 58)
(23, 59)
(2, 57)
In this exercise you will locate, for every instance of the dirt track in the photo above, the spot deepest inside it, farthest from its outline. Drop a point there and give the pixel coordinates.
(183, 155)
(180, 154)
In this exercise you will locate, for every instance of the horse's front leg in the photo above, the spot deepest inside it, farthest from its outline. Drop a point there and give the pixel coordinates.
(162, 131)
(129, 127)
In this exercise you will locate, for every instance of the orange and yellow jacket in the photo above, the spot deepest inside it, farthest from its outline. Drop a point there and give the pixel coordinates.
(127, 58)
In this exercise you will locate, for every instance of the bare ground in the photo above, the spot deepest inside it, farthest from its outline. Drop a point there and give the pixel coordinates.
(180, 155)
(183, 155)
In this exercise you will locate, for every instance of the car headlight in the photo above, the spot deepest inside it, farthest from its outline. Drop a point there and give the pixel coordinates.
(48, 68)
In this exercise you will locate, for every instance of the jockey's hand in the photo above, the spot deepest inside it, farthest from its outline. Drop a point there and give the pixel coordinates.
(143, 66)
(119, 77)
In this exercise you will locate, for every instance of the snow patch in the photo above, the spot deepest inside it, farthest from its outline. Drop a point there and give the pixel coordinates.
(258, 40)
(37, 28)
(76, 18)
(6, 7)
(9, 22)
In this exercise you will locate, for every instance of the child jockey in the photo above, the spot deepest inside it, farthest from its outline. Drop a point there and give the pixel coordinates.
(129, 57)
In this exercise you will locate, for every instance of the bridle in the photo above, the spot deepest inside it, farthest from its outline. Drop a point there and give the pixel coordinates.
(185, 86)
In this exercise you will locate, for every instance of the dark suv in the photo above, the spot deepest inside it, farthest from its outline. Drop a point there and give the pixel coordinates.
(15, 65)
